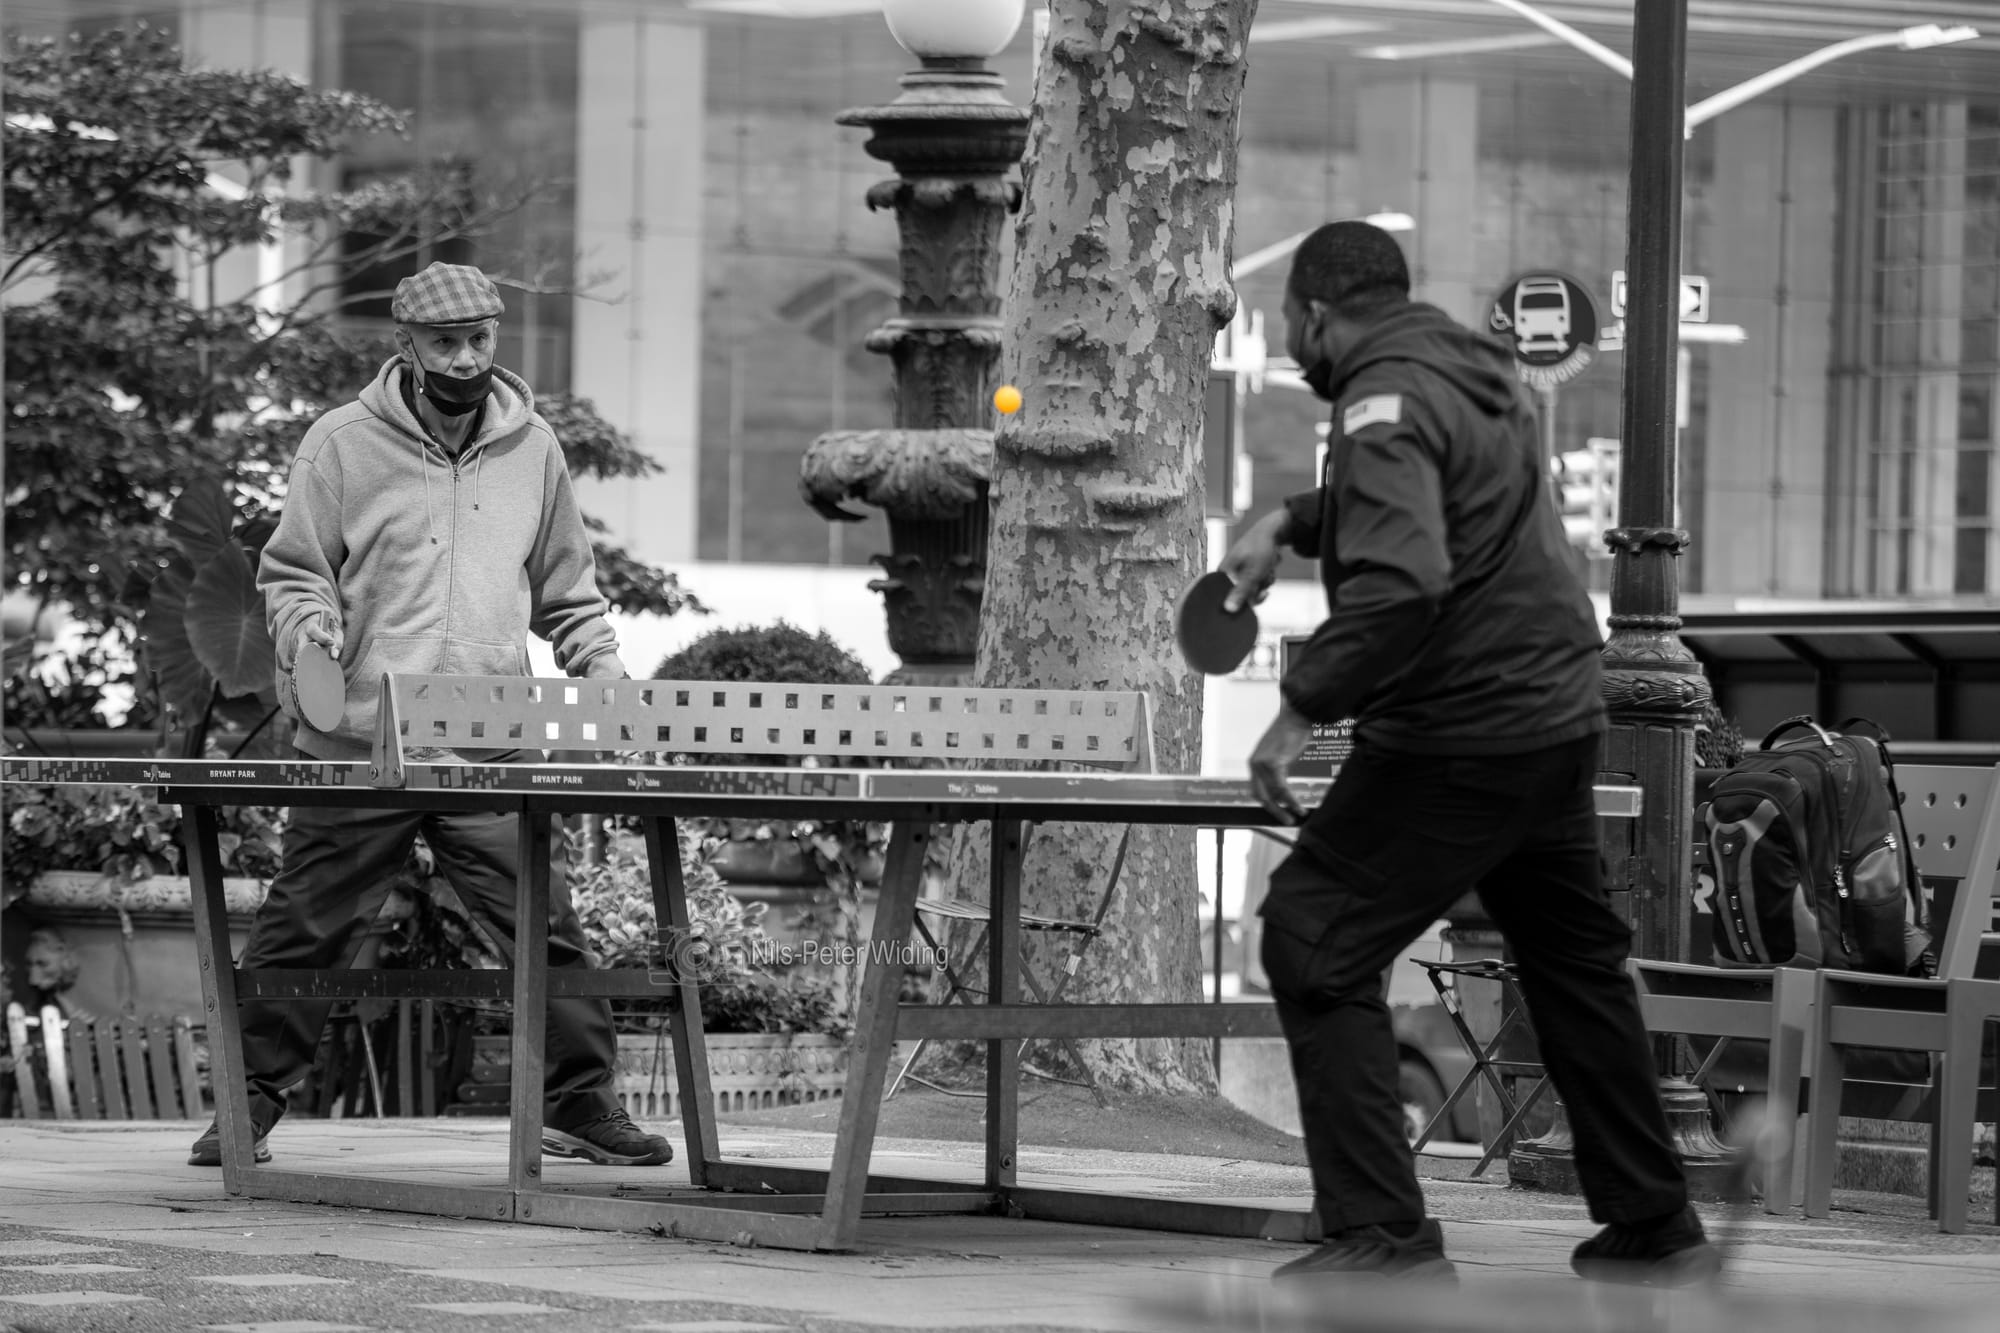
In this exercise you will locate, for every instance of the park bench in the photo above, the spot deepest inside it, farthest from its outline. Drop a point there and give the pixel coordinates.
(129, 1068)
(903, 731)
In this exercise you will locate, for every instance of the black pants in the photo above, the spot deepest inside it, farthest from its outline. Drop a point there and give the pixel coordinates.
(338, 864)
(1399, 838)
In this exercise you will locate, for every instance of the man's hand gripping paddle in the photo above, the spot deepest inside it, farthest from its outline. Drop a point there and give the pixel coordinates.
(319, 692)
(1213, 641)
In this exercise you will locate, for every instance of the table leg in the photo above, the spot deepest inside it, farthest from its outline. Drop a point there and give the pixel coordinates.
(684, 1022)
(218, 996)
(531, 1001)
(874, 1035)
(1003, 978)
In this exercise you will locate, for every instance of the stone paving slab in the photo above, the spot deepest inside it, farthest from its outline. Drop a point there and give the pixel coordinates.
(119, 1195)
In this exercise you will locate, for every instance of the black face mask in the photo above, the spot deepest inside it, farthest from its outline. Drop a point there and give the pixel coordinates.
(1319, 378)
(455, 396)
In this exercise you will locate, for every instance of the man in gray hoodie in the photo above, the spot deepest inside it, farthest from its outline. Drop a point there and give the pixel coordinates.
(454, 583)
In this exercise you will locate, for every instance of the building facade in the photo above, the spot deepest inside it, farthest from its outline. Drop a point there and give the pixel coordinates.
(706, 268)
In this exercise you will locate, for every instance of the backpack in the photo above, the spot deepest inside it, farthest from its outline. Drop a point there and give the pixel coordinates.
(1813, 867)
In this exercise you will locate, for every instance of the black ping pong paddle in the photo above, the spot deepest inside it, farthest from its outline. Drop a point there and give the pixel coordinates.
(1213, 641)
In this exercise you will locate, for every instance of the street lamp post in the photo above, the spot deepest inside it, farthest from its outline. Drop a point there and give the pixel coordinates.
(1653, 686)
(952, 137)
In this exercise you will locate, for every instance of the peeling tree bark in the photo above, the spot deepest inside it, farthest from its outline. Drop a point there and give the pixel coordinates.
(1120, 284)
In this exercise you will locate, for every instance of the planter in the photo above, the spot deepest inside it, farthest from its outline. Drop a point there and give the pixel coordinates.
(778, 861)
(157, 969)
(58, 893)
(746, 1071)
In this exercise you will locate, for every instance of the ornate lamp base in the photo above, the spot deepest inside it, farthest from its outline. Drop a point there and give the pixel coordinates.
(1715, 1171)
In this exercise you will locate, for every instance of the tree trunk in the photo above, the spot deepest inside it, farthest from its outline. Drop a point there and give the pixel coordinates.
(1120, 284)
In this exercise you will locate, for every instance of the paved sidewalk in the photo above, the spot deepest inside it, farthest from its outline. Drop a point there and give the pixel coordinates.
(102, 1226)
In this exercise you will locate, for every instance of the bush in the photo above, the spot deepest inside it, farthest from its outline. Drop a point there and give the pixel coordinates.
(614, 900)
(121, 833)
(724, 948)
(781, 654)
(845, 851)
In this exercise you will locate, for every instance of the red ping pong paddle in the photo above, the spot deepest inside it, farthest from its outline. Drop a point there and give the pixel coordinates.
(319, 692)
(1213, 641)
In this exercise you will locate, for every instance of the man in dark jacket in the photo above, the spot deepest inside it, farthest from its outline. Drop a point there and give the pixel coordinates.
(1460, 642)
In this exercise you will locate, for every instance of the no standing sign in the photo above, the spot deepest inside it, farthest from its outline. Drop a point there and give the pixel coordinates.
(1550, 322)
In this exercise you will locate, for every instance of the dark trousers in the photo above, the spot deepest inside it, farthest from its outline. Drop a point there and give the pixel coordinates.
(1399, 838)
(338, 865)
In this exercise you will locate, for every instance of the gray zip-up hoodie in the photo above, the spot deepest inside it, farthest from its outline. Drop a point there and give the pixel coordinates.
(431, 564)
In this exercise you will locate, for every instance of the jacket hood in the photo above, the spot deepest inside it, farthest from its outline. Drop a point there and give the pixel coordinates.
(1476, 366)
(508, 406)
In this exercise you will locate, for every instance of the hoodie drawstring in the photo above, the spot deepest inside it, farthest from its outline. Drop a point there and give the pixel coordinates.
(424, 462)
(478, 462)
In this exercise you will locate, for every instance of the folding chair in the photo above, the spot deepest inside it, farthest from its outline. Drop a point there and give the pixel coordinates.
(1487, 1061)
(962, 909)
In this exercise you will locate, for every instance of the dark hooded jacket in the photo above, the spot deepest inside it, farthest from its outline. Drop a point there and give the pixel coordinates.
(1456, 624)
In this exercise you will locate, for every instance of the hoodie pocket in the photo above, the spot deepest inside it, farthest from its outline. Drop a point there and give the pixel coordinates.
(400, 653)
(477, 657)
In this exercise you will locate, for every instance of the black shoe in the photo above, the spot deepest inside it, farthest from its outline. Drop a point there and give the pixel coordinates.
(207, 1150)
(1376, 1250)
(609, 1140)
(1670, 1252)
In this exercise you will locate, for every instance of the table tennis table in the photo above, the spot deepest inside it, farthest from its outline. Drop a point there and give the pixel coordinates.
(725, 1199)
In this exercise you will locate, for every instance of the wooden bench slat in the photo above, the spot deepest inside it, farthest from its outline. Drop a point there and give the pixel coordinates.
(115, 1105)
(24, 1068)
(132, 1050)
(160, 1066)
(190, 1076)
(83, 1072)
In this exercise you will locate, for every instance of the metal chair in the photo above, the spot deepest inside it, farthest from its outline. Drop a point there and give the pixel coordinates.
(1779, 1005)
(1084, 932)
(1953, 815)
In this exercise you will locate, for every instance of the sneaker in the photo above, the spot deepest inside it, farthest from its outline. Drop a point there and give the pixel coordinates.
(1669, 1252)
(609, 1140)
(1376, 1250)
(207, 1150)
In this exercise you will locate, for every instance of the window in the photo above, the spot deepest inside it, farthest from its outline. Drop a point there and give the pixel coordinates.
(1969, 561)
(1927, 344)
(494, 106)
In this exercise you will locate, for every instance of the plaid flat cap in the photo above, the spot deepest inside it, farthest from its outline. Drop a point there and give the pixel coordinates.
(446, 294)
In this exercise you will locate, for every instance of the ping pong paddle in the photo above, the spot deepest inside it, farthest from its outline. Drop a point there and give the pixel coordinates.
(1213, 641)
(319, 692)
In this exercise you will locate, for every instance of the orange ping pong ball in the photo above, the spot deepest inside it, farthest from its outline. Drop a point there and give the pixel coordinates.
(1007, 398)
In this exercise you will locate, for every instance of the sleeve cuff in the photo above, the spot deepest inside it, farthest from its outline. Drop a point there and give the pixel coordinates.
(1302, 514)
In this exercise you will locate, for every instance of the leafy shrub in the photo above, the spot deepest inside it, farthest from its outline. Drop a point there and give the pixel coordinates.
(614, 900)
(846, 852)
(121, 833)
(780, 653)
(723, 948)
